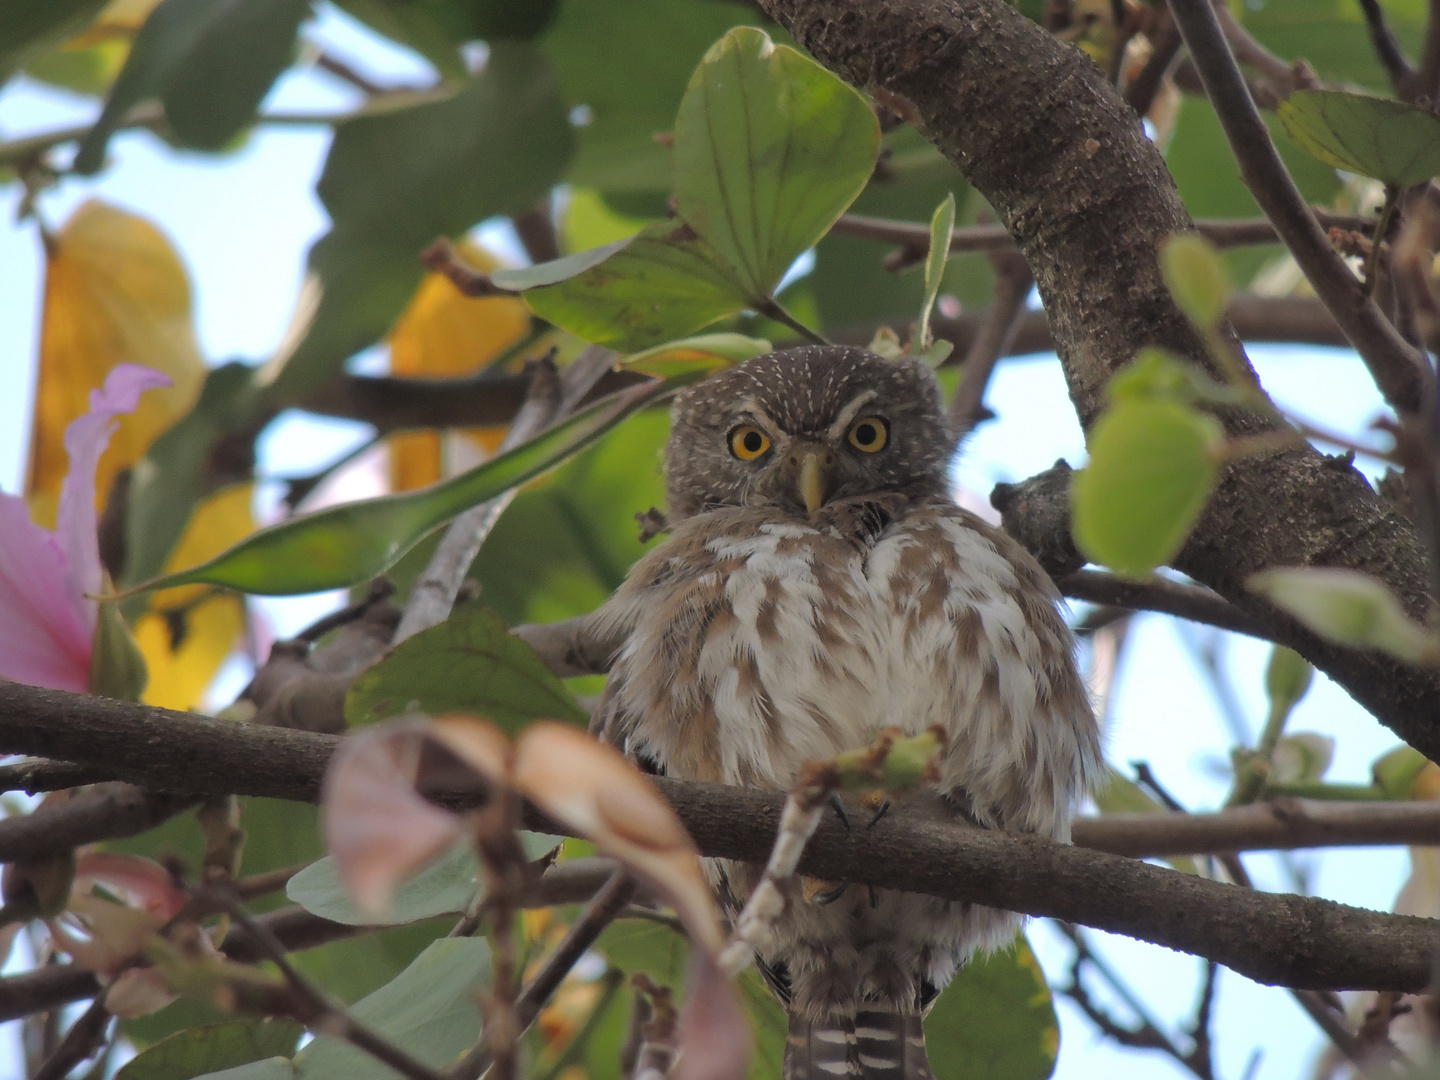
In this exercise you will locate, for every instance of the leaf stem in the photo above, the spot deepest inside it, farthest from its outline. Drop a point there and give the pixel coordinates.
(773, 309)
(1372, 262)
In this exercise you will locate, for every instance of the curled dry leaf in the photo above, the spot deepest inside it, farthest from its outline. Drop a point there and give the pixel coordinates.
(379, 830)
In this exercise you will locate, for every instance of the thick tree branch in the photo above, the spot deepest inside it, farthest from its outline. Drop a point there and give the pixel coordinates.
(1066, 165)
(107, 811)
(1393, 362)
(1290, 940)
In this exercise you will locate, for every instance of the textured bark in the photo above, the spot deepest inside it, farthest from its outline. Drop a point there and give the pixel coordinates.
(1064, 162)
(1292, 940)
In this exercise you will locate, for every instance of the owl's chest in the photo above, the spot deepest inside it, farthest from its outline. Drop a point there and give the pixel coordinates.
(814, 643)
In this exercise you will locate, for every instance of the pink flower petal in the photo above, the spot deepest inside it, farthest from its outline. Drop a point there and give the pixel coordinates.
(85, 440)
(46, 627)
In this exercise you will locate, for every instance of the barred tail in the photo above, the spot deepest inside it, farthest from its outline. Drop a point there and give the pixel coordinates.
(874, 1044)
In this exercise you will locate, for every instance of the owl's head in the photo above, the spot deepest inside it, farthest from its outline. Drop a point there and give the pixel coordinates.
(798, 428)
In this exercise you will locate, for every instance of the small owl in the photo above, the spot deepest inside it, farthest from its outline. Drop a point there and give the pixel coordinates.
(820, 585)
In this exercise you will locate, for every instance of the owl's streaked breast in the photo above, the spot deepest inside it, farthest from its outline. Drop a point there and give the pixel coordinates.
(757, 642)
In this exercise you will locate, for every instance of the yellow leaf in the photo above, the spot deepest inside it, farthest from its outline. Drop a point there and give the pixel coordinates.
(115, 291)
(189, 634)
(442, 334)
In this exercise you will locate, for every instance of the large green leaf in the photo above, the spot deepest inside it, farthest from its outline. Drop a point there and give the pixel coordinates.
(468, 663)
(436, 28)
(210, 62)
(444, 887)
(996, 1021)
(566, 543)
(1349, 608)
(212, 1048)
(396, 180)
(345, 544)
(1388, 140)
(663, 283)
(1152, 466)
(770, 148)
(626, 62)
(429, 1010)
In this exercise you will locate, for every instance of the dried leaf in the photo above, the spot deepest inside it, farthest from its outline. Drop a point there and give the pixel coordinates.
(376, 826)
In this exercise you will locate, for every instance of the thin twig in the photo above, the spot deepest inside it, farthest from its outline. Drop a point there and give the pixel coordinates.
(1222, 232)
(1165, 45)
(442, 258)
(602, 909)
(316, 1008)
(773, 309)
(1394, 364)
(1392, 58)
(1012, 286)
(81, 1041)
(1193, 602)
(435, 590)
(342, 70)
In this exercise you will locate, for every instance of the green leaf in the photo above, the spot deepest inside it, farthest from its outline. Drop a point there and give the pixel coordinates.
(1197, 278)
(29, 29)
(567, 542)
(704, 353)
(346, 544)
(215, 89)
(664, 283)
(770, 148)
(275, 1068)
(469, 663)
(117, 666)
(445, 887)
(599, 51)
(429, 1010)
(1152, 467)
(1348, 608)
(210, 62)
(995, 1020)
(212, 1048)
(397, 179)
(1396, 771)
(1393, 142)
(942, 225)
(437, 28)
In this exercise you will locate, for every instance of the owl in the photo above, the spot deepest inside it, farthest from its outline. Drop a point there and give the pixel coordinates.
(818, 586)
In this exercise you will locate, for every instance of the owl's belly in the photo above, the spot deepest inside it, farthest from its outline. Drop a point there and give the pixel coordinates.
(822, 651)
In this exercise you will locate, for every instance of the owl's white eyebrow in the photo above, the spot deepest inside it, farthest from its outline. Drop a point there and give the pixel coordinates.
(858, 402)
(749, 405)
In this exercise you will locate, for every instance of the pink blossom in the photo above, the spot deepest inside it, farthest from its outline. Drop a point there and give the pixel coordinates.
(47, 621)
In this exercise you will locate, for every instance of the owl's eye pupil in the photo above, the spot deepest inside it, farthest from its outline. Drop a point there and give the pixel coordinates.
(866, 434)
(753, 442)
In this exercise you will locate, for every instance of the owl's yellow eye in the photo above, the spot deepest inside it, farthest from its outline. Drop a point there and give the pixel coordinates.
(869, 433)
(748, 442)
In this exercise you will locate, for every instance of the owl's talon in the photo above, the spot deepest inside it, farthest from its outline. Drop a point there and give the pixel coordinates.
(839, 807)
(880, 812)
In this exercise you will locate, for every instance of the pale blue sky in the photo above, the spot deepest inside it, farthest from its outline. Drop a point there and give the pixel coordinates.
(242, 224)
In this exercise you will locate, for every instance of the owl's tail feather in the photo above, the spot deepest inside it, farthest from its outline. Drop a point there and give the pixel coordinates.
(873, 1044)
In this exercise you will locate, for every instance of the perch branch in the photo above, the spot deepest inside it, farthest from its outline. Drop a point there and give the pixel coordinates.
(1290, 940)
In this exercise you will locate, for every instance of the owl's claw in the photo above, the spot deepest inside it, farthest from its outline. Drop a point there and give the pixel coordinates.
(839, 808)
(880, 812)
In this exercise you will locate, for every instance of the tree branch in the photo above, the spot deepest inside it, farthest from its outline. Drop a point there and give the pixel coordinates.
(1393, 362)
(1066, 165)
(1392, 58)
(1002, 323)
(1289, 940)
(1157, 594)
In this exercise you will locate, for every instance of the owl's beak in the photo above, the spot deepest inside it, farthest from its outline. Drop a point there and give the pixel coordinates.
(813, 479)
